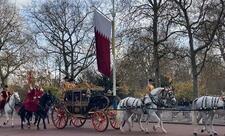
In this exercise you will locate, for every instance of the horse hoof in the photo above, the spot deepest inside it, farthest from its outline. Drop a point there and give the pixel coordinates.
(215, 134)
(38, 128)
(4, 123)
(146, 132)
(122, 131)
(12, 126)
(195, 134)
(202, 130)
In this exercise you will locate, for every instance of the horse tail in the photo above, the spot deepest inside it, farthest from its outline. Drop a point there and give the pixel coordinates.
(194, 112)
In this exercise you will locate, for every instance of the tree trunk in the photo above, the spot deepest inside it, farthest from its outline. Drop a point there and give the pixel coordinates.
(156, 65)
(222, 52)
(193, 55)
(4, 81)
(195, 79)
(155, 47)
(72, 65)
(66, 63)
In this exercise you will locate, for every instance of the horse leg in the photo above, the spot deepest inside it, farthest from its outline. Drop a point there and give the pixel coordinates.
(29, 115)
(203, 122)
(159, 124)
(140, 123)
(130, 119)
(146, 122)
(162, 127)
(205, 118)
(7, 118)
(48, 119)
(211, 124)
(39, 119)
(35, 118)
(22, 116)
(12, 117)
(123, 116)
(44, 122)
(129, 122)
(1, 114)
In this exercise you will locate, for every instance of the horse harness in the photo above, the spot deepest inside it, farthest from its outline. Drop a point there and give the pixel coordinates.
(214, 101)
(134, 104)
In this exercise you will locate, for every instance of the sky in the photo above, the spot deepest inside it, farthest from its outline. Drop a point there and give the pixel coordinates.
(21, 3)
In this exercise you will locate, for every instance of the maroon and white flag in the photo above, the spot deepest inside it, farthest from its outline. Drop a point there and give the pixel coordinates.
(103, 28)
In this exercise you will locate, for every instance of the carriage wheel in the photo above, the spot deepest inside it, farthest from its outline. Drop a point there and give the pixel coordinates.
(113, 120)
(77, 121)
(59, 117)
(100, 121)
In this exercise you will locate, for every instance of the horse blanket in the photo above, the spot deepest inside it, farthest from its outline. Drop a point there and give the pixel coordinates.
(31, 101)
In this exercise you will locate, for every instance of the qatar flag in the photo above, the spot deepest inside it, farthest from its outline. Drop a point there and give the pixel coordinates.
(103, 27)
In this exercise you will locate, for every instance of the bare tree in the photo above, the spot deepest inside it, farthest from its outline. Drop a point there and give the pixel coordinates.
(66, 26)
(152, 22)
(14, 41)
(220, 41)
(200, 28)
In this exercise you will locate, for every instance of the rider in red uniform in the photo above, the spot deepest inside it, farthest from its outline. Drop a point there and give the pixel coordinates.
(32, 99)
(4, 97)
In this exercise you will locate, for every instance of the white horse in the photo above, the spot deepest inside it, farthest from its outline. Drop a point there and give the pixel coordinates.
(9, 108)
(133, 106)
(208, 106)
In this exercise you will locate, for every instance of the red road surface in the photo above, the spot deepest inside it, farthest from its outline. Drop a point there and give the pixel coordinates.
(88, 130)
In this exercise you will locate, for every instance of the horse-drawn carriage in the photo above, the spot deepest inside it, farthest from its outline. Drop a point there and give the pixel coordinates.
(80, 103)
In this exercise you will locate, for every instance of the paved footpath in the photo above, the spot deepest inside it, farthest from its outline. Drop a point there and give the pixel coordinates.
(88, 130)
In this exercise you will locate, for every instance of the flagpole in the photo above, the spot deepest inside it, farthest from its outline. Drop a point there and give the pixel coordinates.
(113, 48)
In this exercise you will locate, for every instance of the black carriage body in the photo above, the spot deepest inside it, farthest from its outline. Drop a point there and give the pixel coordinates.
(82, 101)
(81, 104)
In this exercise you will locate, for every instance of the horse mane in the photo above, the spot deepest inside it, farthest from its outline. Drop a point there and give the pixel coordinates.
(157, 91)
(43, 98)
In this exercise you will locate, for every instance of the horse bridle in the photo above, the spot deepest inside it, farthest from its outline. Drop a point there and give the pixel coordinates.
(159, 103)
(164, 94)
